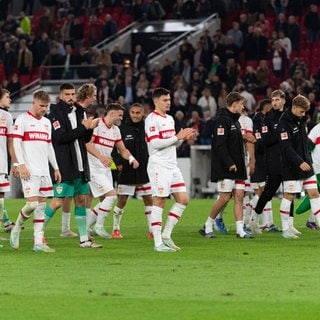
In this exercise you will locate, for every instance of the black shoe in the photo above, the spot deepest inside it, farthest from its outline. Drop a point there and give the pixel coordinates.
(206, 235)
(245, 236)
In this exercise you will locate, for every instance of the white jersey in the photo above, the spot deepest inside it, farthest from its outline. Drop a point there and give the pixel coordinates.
(6, 127)
(161, 140)
(314, 136)
(246, 128)
(35, 135)
(104, 139)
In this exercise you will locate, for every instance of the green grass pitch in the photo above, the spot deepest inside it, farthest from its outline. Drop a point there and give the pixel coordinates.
(267, 277)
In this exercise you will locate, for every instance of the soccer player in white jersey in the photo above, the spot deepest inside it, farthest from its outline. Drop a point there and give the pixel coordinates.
(165, 177)
(6, 126)
(104, 138)
(33, 149)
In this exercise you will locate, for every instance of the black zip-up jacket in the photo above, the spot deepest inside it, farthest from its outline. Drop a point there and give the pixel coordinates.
(293, 140)
(227, 147)
(269, 136)
(259, 174)
(133, 136)
(63, 138)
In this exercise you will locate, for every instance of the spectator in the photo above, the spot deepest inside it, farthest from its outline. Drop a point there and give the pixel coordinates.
(312, 23)
(232, 74)
(138, 58)
(103, 93)
(55, 61)
(83, 70)
(155, 10)
(279, 61)
(77, 33)
(263, 75)
(181, 94)
(193, 106)
(203, 9)
(10, 25)
(14, 86)
(104, 60)
(25, 59)
(179, 120)
(208, 102)
(45, 24)
(70, 61)
(280, 6)
(264, 24)
(42, 48)
(206, 40)
(285, 43)
(25, 23)
(186, 71)
(201, 55)
(110, 28)
(256, 46)
(93, 31)
(8, 58)
(189, 10)
(139, 11)
(166, 73)
(214, 84)
(249, 79)
(196, 123)
(236, 35)
(250, 101)
(281, 24)
(294, 32)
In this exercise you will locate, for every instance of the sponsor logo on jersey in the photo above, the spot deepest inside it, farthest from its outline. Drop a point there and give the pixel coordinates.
(104, 142)
(36, 136)
(166, 134)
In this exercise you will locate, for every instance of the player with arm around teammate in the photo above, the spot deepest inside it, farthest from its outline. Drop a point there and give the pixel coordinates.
(104, 138)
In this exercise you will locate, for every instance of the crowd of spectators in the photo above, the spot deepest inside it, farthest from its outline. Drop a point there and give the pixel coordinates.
(261, 46)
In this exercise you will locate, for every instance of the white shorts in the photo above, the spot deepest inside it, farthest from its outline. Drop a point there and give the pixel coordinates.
(165, 181)
(4, 183)
(227, 185)
(140, 191)
(257, 185)
(296, 186)
(37, 186)
(101, 182)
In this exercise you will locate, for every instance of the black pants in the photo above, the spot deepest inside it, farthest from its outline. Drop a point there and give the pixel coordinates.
(272, 185)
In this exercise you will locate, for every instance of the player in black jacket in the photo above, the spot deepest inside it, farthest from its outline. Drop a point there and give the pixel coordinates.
(228, 167)
(296, 164)
(70, 131)
(132, 180)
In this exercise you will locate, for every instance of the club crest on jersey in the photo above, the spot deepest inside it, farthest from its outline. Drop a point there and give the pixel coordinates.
(264, 129)
(56, 125)
(15, 127)
(3, 122)
(284, 136)
(220, 131)
(152, 129)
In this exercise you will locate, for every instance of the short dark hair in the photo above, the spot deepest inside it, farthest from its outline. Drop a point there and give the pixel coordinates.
(114, 106)
(264, 103)
(66, 86)
(158, 92)
(233, 97)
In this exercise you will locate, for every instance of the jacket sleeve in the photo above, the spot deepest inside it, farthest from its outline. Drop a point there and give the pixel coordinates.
(221, 133)
(285, 140)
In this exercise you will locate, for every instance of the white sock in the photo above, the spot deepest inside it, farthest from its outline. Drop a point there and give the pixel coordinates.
(246, 210)
(91, 217)
(284, 213)
(315, 209)
(239, 228)
(65, 221)
(268, 213)
(38, 223)
(147, 212)
(208, 226)
(104, 210)
(174, 216)
(156, 224)
(117, 215)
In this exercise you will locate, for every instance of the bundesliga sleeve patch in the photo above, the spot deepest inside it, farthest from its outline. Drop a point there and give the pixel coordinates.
(264, 129)
(220, 131)
(284, 136)
(258, 135)
(56, 125)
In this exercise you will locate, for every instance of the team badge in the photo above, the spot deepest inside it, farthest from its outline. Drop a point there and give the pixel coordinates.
(59, 189)
(264, 129)
(153, 128)
(284, 136)
(56, 125)
(220, 131)
(15, 127)
(258, 135)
